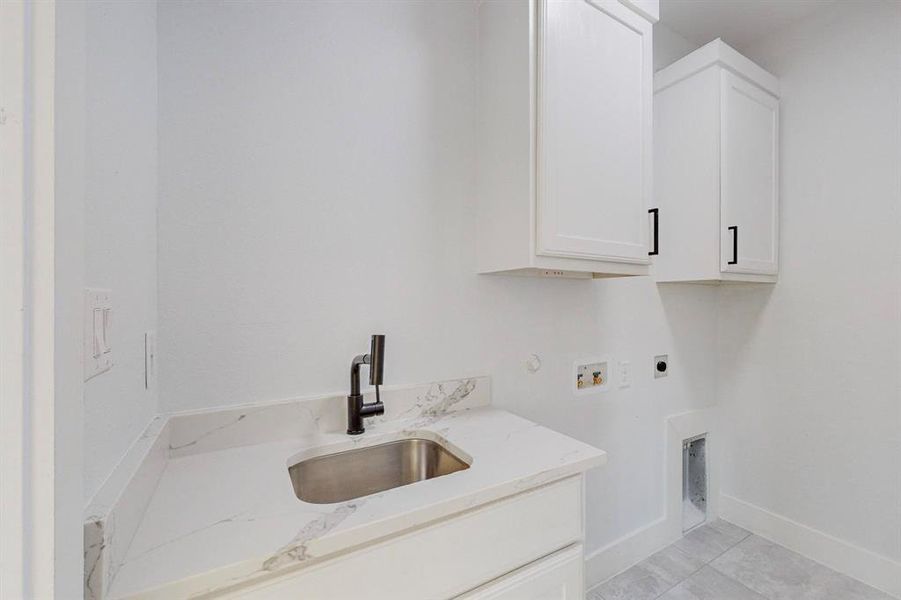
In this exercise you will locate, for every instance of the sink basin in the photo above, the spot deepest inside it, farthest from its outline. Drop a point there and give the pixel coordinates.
(363, 471)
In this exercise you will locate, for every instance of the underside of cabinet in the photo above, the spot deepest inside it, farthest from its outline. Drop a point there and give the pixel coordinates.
(725, 279)
(558, 273)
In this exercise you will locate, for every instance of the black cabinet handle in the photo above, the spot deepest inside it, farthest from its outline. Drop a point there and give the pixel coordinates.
(656, 213)
(734, 230)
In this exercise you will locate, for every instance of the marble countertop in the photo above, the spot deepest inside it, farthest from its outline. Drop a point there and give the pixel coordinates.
(229, 516)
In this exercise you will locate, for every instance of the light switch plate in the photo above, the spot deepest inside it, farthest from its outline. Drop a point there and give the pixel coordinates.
(625, 374)
(98, 351)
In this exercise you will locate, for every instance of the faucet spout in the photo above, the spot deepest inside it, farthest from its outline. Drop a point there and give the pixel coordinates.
(356, 408)
(360, 359)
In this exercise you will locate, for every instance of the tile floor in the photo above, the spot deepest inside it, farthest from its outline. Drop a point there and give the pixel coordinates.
(720, 561)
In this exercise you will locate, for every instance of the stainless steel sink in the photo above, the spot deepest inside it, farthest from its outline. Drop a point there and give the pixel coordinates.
(363, 471)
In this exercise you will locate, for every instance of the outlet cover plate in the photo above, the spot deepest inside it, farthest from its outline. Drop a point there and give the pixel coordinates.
(98, 352)
(625, 374)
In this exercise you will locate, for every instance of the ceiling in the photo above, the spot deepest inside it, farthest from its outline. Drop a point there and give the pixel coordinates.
(739, 22)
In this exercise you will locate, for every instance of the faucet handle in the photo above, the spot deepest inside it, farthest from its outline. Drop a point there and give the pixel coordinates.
(377, 359)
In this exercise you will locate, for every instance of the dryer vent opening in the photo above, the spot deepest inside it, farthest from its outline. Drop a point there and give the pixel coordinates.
(694, 482)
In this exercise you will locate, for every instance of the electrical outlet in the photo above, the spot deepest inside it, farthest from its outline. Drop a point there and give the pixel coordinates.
(625, 374)
(98, 350)
(661, 365)
(591, 375)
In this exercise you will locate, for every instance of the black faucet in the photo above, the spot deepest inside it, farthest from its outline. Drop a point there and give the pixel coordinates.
(356, 410)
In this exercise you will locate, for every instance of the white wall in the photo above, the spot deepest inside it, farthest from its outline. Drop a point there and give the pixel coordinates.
(69, 122)
(316, 186)
(808, 374)
(120, 219)
(669, 46)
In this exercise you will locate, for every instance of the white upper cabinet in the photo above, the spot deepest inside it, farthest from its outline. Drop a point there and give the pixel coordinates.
(716, 163)
(749, 177)
(594, 136)
(564, 137)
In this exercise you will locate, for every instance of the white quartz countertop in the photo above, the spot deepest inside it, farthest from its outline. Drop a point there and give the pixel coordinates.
(229, 516)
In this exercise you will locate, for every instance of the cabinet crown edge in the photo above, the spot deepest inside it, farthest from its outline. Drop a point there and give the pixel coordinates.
(649, 9)
(719, 53)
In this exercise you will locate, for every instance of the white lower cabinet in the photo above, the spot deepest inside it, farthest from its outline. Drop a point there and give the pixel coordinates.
(556, 577)
(510, 548)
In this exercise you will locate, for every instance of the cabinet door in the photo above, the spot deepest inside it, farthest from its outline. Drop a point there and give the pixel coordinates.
(749, 235)
(593, 130)
(556, 577)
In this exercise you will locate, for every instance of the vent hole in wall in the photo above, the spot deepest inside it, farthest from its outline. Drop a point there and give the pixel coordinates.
(694, 482)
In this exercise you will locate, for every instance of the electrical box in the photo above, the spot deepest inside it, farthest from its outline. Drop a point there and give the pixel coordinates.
(591, 375)
(694, 482)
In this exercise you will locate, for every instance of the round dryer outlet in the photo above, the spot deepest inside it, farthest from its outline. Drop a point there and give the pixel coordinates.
(661, 365)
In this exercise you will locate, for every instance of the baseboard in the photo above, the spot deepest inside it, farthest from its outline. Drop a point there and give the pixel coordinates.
(619, 555)
(873, 569)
